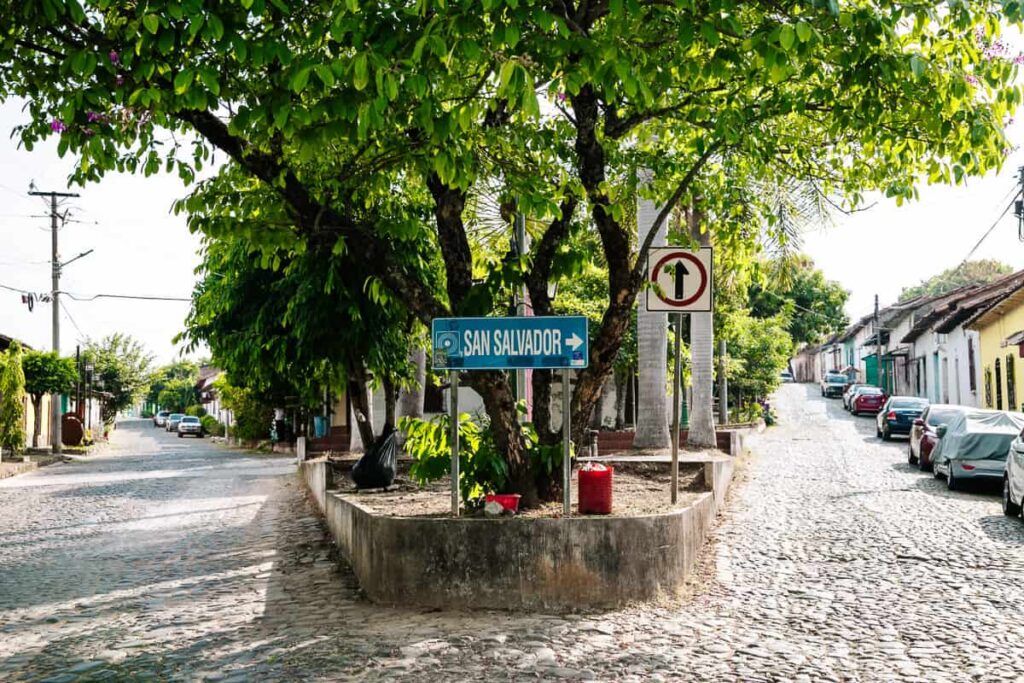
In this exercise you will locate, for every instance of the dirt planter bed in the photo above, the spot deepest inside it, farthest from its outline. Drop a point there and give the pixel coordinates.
(533, 563)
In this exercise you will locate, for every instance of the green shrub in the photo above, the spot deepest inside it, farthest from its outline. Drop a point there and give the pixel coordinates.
(212, 426)
(147, 414)
(482, 469)
(195, 411)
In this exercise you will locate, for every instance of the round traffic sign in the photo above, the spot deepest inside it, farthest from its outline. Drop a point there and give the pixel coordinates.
(700, 272)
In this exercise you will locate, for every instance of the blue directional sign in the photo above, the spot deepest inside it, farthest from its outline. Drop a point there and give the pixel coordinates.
(510, 343)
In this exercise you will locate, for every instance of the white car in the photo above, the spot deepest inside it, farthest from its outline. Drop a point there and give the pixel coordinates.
(1013, 478)
(190, 425)
(160, 419)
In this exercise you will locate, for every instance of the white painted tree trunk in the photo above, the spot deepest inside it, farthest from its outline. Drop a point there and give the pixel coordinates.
(702, 374)
(652, 352)
(411, 401)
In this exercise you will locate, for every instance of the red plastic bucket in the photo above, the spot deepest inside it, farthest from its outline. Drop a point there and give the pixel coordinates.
(595, 490)
(509, 501)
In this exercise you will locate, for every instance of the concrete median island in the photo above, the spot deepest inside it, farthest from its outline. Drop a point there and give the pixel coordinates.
(517, 563)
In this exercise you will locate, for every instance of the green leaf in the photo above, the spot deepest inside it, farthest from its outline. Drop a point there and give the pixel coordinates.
(917, 66)
(183, 81)
(787, 37)
(300, 79)
(710, 33)
(216, 26)
(804, 31)
(360, 77)
(325, 75)
(151, 22)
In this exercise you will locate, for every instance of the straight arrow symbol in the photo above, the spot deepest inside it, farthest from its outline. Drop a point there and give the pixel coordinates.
(574, 342)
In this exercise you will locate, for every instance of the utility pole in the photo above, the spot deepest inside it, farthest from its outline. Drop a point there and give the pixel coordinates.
(55, 426)
(878, 347)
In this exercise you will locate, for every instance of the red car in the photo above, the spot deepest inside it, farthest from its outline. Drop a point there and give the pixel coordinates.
(923, 435)
(868, 400)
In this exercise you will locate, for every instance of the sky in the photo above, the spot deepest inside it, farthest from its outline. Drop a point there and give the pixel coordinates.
(141, 248)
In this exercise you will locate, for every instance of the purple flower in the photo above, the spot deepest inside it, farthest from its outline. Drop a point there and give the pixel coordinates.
(93, 117)
(971, 79)
(561, 97)
(114, 57)
(1019, 59)
(119, 81)
(88, 132)
(57, 126)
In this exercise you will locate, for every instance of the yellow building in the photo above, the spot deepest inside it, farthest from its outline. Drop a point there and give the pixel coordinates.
(1001, 331)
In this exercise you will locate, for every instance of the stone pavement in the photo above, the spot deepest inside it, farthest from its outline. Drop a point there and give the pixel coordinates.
(170, 559)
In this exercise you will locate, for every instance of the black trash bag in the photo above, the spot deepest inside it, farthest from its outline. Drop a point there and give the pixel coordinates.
(376, 469)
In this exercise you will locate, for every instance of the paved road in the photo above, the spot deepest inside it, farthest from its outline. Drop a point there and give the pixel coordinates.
(171, 559)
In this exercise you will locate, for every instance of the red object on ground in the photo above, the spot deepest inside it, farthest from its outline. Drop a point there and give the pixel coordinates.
(595, 490)
(509, 501)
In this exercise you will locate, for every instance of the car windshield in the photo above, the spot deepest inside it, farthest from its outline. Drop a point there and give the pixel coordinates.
(163, 413)
(941, 417)
(836, 379)
(189, 420)
(177, 416)
(869, 391)
(908, 404)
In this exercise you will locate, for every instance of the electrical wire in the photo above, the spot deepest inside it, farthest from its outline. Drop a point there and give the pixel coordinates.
(1016, 193)
(81, 335)
(77, 297)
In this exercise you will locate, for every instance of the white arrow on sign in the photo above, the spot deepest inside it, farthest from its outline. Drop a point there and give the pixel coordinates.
(574, 342)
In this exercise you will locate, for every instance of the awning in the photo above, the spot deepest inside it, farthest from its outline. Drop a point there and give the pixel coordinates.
(903, 351)
(1014, 339)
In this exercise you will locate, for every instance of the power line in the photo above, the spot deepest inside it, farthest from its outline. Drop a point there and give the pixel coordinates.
(125, 296)
(1015, 192)
(81, 335)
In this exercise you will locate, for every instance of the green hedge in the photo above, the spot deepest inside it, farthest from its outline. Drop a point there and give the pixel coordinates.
(196, 411)
(212, 426)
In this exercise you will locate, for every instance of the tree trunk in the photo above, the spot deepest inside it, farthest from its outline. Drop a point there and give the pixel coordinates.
(620, 398)
(652, 353)
(702, 353)
(390, 404)
(37, 428)
(499, 402)
(411, 401)
(362, 404)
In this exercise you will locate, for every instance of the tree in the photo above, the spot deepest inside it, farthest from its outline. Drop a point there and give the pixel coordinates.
(979, 272)
(46, 373)
(158, 381)
(791, 285)
(352, 113)
(252, 416)
(12, 400)
(178, 394)
(122, 364)
(652, 430)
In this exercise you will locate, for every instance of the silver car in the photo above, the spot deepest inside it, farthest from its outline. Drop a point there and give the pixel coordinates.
(172, 421)
(190, 425)
(1013, 478)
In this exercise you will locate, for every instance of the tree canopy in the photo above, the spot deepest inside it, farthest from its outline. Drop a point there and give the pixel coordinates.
(375, 125)
(790, 285)
(12, 400)
(123, 365)
(979, 272)
(47, 373)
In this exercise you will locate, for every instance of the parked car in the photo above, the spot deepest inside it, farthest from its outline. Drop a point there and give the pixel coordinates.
(867, 400)
(786, 376)
(848, 394)
(974, 445)
(1013, 478)
(923, 435)
(160, 419)
(898, 414)
(191, 425)
(832, 385)
(172, 421)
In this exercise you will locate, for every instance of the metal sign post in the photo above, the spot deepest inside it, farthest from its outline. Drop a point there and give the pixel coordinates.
(566, 444)
(677, 375)
(455, 442)
(679, 281)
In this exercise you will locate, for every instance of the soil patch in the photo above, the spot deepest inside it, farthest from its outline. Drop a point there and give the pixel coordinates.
(637, 489)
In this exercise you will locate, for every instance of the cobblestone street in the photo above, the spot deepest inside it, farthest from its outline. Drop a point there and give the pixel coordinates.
(172, 559)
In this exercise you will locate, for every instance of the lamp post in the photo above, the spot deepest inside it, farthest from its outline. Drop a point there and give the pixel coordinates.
(88, 398)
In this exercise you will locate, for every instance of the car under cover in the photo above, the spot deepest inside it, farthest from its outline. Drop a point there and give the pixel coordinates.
(978, 435)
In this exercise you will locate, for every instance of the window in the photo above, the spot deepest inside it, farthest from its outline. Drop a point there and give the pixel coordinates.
(970, 364)
(1011, 384)
(988, 387)
(999, 385)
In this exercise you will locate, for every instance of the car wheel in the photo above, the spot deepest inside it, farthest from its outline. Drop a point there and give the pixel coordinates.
(180, 435)
(878, 432)
(910, 456)
(886, 434)
(1010, 509)
(951, 482)
(924, 466)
